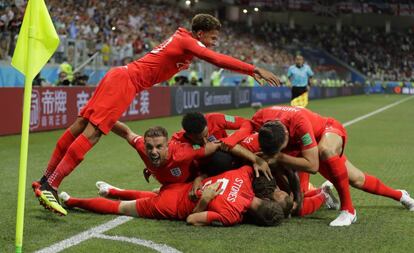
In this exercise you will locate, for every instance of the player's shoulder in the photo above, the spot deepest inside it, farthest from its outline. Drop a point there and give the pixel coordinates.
(137, 140)
(186, 36)
(246, 171)
(219, 116)
(212, 115)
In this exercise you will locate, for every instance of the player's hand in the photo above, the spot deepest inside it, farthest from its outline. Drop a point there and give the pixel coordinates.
(224, 147)
(262, 74)
(192, 195)
(261, 165)
(211, 191)
(212, 147)
(147, 174)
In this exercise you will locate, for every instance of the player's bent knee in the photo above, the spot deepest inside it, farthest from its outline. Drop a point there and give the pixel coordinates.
(357, 181)
(128, 208)
(92, 133)
(325, 152)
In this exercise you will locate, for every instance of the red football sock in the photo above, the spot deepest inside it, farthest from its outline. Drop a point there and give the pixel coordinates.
(61, 146)
(74, 155)
(312, 192)
(336, 169)
(312, 204)
(129, 194)
(375, 186)
(96, 205)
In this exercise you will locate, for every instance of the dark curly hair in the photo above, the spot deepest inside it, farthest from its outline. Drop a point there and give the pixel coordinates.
(263, 188)
(194, 123)
(205, 22)
(271, 137)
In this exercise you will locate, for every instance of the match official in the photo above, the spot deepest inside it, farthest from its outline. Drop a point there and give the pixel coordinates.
(300, 76)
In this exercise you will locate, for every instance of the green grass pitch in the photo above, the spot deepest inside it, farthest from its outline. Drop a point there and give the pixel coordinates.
(381, 145)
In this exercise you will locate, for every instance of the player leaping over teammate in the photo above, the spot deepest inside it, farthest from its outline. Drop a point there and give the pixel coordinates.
(118, 88)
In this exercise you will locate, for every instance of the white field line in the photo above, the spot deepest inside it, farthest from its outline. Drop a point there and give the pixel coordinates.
(76, 239)
(150, 244)
(96, 232)
(376, 111)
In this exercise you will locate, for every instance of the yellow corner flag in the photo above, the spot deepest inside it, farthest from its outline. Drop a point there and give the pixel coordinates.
(36, 43)
(301, 101)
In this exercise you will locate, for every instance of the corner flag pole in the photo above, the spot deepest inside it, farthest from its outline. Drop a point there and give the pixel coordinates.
(24, 146)
(36, 43)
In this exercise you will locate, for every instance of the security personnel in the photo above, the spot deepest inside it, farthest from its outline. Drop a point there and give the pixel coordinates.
(216, 78)
(66, 68)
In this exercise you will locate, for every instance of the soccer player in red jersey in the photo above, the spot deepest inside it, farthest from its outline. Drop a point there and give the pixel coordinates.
(118, 88)
(304, 201)
(224, 199)
(168, 161)
(199, 129)
(214, 126)
(312, 143)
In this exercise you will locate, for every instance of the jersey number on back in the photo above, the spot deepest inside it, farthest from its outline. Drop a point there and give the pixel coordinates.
(223, 184)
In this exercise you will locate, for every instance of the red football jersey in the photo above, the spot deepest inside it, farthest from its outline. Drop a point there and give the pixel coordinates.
(304, 126)
(179, 166)
(175, 54)
(251, 143)
(217, 124)
(236, 197)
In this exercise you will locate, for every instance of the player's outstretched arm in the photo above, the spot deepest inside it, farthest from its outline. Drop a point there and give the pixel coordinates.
(124, 131)
(262, 74)
(230, 63)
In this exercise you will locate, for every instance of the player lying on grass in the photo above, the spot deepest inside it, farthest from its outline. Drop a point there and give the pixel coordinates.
(312, 143)
(223, 201)
(200, 130)
(119, 87)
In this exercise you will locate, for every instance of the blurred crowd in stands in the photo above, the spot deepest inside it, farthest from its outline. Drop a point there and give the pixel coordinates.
(123, 30)
(330, 8)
